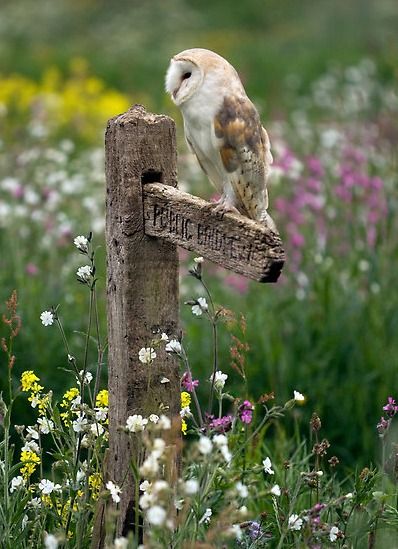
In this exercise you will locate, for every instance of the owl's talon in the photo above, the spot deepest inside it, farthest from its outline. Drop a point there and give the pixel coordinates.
(222, 208)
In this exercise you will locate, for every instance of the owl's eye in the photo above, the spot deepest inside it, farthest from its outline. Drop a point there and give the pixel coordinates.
(186, 75)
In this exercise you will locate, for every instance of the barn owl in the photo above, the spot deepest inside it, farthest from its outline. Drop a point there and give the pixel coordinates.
(223, 129)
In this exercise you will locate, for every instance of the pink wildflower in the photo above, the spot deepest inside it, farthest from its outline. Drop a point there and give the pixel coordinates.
(245, 412)
(188, 383)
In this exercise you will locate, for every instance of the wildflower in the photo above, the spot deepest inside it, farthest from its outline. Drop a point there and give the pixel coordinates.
(29, 382)
(391, 407)
(79, 423)
(200, 306)
(146, 355)
(101, 414)
(150, 465)
(45, 425)
(30, 461)
(81, 243)
(24, 522)
(121, 543)
(164, 337)
(254, 530)
(184, 427)
(242, 490)
(95, 483)
(173, 346)
(47, 486)
(160, 486)
(88, 376)
(268, 466)
(205, 445)
(315, 422)
(350, 495)
(219, 380)
(198, 259)
(47, 318)
(146, 500)
(102, 399)
(32, 433)
(70, 395)
(156, 515)
(333, 533)
(191, 486)
(165, 380)
(185, 399)
(275, 490)
(221, 424)
(298, 397)
(185, 412)
(84, 273)
(188, 383)
(136, 423)
(50, 541)
(245, 412)
(206, 516)
(236, 531)
(97, 429)
(220, 440)
(294, 522)
(164, 422)
(31, 446)
(158, 448)
(114, 490)
(153, 418)
(145, 486)
(17, 482)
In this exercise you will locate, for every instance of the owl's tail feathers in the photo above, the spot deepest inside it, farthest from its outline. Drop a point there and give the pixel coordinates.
(267, 220)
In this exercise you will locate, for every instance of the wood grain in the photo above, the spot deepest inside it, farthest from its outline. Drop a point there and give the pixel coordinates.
(232, 240)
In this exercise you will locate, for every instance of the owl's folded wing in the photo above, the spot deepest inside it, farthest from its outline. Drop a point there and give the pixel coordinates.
(244, 148)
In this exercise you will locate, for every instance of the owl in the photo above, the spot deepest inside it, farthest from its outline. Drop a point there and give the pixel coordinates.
(223, 129)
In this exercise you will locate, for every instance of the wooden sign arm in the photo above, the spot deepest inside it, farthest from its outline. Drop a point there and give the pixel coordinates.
(231, 240)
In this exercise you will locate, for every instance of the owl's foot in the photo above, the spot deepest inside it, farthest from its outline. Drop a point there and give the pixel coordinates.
(224, 206)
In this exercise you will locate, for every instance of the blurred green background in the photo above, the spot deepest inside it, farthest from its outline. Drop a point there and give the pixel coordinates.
(329, 328)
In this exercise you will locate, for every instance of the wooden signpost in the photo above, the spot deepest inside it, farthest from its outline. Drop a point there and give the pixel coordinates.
(147, 217)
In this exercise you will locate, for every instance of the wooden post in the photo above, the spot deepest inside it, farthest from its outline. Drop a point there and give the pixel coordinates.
(142, 287)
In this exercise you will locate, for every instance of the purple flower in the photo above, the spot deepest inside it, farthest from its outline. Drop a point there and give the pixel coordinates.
(220, 425)
(254, 530)
(383, 425)
(391, 407)
(188, 383)
(245, 412)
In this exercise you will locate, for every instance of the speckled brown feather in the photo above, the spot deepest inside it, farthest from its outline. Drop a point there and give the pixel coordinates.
(245, 153)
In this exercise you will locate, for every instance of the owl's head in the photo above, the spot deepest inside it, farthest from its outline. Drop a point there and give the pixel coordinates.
(189, 70)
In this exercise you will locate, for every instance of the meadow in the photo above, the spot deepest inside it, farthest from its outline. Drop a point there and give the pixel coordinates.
(324, 80)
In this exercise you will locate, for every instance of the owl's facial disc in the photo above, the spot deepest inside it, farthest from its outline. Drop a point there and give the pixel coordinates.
(182, 79)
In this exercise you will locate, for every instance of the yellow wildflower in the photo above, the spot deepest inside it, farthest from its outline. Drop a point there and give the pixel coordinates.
(43, 404)
(95, 484)
(29, 382)
(70, 394)
(185, 399)
(184, 427)
(102, 400)
(30, 461)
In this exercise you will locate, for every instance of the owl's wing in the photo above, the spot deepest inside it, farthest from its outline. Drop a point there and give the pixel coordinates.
(245, 153)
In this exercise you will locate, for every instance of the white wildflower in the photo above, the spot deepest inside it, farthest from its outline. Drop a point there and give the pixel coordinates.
(268, 466)
(200, 306)
(350, 495)
(298, 396)
(164, 337)
(47, 318)
(219, 379)
(84, 273)
(17, 482)
(156, 515)
(32, 432)
(173, 346)
(275, 490)
(164, 422)
(101, 414)
(114, 490)
(159, 486)
(198, 259)
(88, 376)
(35, 503)
(79, 423)
(205, 445)
(236, 531)
(226, 454)
(150, 466)
(81, 243)
(121, 543)
(34, 400)
(136, 423)
(145, 486)
(47, 486)
(97, 429)
(45, 425)
(158, 448)
(185, 412)
(333, 533)
(146, 500)
(25, 521)
(242, 490)
(165, 380)
(191, 486)
(295, 522)
(50, 541)
(146, 355)
(206, 516)
(220, 440)
(31, 446)
(153, 418)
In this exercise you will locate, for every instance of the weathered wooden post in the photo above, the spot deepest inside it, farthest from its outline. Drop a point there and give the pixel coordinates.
(146, 218)
(142, 285)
